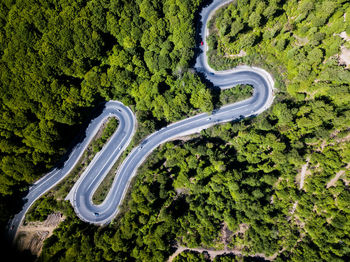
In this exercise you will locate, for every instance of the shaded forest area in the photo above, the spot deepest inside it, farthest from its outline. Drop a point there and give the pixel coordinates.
(235, 175)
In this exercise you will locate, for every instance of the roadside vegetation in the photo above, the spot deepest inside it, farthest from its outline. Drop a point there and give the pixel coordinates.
(103, 189)
(106, 132)
(235, 94)
(239, 178)
(192, 256)
(46, 204)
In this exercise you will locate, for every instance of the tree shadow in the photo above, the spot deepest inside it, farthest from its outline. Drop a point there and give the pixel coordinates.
(79, 132)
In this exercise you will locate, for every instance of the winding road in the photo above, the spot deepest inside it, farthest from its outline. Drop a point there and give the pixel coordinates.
(81, 194)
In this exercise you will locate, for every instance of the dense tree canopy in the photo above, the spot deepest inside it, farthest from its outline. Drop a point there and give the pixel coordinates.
(302, 42)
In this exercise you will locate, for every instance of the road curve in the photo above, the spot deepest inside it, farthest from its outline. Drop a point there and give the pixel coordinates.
(126, 127)
(82, 192)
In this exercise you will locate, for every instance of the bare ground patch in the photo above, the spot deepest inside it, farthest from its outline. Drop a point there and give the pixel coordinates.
(334, 180)
(226, 235)
(294, 207)
(184, 138)
(181, 191)
(240, 54)
(299, 179)
(344, 35)
(344, 57)
(300, 41)
(242, 229)
(32, 235)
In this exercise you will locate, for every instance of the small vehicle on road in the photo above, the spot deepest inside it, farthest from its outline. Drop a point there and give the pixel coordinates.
(202, 43)
(96, 214)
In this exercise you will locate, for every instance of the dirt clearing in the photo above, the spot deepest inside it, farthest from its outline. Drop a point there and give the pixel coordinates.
(344, 58)
(301, 176)
(334, 180)
(31, 236)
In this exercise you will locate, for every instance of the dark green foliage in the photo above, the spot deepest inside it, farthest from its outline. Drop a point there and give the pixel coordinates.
(190, 256)
(237, 93)
(106, 134)
(41, 209)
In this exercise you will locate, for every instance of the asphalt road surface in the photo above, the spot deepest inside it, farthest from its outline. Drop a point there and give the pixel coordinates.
(81, 194)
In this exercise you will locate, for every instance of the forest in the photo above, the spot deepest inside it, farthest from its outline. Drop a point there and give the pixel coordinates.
(60, 59)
